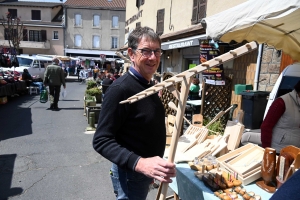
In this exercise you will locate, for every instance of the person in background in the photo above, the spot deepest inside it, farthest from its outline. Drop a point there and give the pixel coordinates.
(281, 126)
(100, 78)
(133, 136)
(54, 77)
(194, 89)
(79, 68)
(116, 75)
(107, 81)
(26, 76)
(95, 72)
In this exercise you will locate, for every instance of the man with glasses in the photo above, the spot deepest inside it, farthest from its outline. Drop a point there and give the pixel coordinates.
(133, 136)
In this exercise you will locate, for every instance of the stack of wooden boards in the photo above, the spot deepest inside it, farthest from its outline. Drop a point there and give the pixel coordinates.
(195, 142)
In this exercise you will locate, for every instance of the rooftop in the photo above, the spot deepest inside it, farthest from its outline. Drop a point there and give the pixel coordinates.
(96, 3)
(30, 3)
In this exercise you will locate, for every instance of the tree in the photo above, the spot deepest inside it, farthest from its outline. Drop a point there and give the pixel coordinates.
(14, 32)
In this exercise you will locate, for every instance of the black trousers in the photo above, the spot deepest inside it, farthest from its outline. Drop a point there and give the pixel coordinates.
(54, 91)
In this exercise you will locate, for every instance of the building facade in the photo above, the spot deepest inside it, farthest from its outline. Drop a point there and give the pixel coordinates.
(181, 32)
(178, 24)
(94, 28)
(43, 29)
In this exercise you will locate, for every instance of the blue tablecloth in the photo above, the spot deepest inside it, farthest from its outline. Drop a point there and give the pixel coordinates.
(189, 187)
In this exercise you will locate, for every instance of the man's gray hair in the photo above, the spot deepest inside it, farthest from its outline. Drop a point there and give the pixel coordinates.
(55, 60)
(137, 34)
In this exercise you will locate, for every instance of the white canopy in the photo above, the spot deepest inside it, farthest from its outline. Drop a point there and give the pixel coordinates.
(275, 22)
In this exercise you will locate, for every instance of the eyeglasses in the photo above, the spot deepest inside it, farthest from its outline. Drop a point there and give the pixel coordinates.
(148, 52)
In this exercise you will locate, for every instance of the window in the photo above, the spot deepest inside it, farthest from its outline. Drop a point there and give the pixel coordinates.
(96, 20)
(77, 40)
(37, 36)
(13, 13)
(35, 15)
(43, 63)
(160, 21)
(138, 3)
(114, 42)
(25, 35)
(77, 20)
(36, 64)
(138, 25)
(199, 11)
(55, 35)
(96, 41)
(115, 22)
(10, 34)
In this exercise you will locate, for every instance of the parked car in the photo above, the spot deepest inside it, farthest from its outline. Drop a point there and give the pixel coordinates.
(36, 65)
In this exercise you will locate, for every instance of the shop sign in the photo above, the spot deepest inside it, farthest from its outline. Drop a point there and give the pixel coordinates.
(182, 44)
(134, 18)
(215, 75)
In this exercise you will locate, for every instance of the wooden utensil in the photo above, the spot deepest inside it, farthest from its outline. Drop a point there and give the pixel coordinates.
(297, 162)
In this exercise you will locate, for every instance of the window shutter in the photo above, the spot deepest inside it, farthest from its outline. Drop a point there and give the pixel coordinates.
(195, 12)
(25, 35)
(6, 34)
(44, 35)
(160, 21)
(138, 3)
(202, 10)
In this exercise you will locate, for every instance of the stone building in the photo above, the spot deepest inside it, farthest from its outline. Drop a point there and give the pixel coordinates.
(94, 27)
(43, 32)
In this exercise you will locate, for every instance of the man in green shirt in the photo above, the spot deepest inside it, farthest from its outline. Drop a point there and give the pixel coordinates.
(54, 77)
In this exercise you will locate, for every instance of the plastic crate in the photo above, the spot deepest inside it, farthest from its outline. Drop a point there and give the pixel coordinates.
(238, 88)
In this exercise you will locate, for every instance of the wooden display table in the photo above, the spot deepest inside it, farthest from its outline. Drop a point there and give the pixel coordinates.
(189, 186)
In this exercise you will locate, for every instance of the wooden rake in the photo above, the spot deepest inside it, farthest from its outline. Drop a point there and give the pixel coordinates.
(186, 78)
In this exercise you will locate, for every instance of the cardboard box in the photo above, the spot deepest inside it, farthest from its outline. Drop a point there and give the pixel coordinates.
(3, 100)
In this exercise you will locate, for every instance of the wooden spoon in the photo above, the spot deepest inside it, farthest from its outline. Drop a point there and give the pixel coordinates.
(290, 172)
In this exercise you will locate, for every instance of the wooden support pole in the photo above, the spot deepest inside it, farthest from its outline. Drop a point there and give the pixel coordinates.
(170, 80)
(202, 96)
(185, 85)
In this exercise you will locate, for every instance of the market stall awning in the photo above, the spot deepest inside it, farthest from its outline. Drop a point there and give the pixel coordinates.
(83, 58)
(274, 22)
(86, 51)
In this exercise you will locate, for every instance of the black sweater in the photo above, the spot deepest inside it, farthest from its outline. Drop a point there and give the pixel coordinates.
(126, 132)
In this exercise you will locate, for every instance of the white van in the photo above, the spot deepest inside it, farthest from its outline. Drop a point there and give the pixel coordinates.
(284, 84)
(36, 65)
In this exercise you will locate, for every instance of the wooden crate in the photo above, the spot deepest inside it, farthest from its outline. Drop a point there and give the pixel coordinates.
(231, 155)
(247, 161)
(230, 162)
(248, 179)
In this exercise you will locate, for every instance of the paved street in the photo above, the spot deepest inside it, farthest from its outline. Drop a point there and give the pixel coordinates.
(45, 155)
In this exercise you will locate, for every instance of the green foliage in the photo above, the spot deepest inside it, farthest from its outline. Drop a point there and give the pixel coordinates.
(91, 84)
(93, 91)
(89, 98)
(217, 126)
